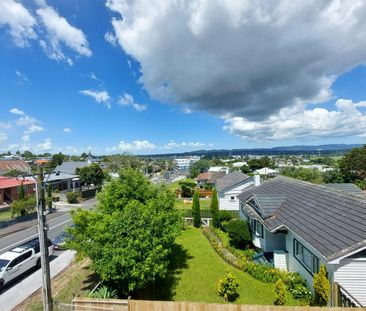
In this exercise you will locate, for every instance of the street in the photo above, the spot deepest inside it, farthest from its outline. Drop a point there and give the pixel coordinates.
(56, 226)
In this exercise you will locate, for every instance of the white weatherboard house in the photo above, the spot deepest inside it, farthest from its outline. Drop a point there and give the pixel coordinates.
(229, 186)
(305, 225)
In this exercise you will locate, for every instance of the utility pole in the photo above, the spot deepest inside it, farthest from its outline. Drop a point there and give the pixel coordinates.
(42, 232)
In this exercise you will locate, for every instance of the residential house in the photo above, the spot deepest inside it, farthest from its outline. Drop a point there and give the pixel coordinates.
(63, 182)
(14, 165)
(266, 171)
(239, 164)
(9, 188)
(208, 178)
(229, 187)
(306, 225)
(69, 167)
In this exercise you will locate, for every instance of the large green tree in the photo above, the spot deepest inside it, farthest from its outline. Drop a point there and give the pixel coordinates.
(196, 211)
(57, 159)
(92, 174)
(353, 164)
(129, 236)
(199, 167)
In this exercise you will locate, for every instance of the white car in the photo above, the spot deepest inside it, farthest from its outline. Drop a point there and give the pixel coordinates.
(20, 260)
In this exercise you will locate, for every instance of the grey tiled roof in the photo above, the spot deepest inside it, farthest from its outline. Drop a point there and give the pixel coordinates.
(346, 187)
(331, 221)
(230, 179)
(70, 167)
(269, 204)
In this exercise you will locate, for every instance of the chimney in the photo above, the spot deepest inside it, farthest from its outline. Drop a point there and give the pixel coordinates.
(257, 180)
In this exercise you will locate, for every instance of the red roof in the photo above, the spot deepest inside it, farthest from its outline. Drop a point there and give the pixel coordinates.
(6, 182)
(204, 176)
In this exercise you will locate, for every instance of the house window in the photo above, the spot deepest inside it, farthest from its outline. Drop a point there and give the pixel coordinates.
(256, 227)
(306, 258)
(232, 198)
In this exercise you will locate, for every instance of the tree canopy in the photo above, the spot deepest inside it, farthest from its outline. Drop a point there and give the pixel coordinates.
(353, 164)
(92, 174)
(130, 235)
(199, 167)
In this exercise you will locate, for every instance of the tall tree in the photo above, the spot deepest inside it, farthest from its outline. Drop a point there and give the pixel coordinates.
(21, 192)
(196, 210)
(353, 164)
(92, 174)
(129, 237)
(57, 159)
(215, 209)
(198, 167)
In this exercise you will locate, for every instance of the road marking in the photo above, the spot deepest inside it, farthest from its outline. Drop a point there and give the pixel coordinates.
(33, 236)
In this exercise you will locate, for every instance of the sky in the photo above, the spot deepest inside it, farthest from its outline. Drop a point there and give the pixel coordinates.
(164, 76)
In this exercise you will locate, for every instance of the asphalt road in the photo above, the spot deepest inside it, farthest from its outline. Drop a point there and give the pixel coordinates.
(56, 226)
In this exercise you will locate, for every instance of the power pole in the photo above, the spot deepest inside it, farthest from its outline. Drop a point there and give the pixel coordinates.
(42, 232)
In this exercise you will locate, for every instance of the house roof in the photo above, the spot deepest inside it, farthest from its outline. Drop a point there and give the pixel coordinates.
(230, 180)
(6, 182)
(266, 171)
(204, 176)
(331, 221)
(346, 187)
(58, 176)
(70, 167)
(8, 165)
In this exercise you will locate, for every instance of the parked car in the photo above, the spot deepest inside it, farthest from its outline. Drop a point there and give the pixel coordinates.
(60, 241)
(20, 260)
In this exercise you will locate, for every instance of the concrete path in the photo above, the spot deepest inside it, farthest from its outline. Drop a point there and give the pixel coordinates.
(21, 291)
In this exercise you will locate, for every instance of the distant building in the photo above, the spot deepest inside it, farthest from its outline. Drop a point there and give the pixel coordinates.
(239, 164)
(183, 164)
(63, 181)
(266, 171)
(9, 188)
(208, 178)
(70, 167)
(14, 165)
(218, 169)
(42, 161)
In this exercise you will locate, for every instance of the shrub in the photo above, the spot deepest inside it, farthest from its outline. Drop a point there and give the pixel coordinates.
(321, 287)
(280, 293)
(71, 197)
(103, 293)
(49, 196)
(215, 209)
(297, 286)
(238, 232)
(23, 207)
(224, 216)
(228, 287)
(196, 210)
(186, 191)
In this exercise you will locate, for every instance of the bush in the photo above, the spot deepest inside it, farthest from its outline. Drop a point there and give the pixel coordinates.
(297, 286)
(23, 207)
(71, 197)
(215, 209)
(238, 232)
(280, 293)
(321, 287)
(228, 287)
(186, 191)
(224, 216)
(103, 293)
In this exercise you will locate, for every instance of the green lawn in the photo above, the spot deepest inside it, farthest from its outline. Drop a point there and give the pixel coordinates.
(204, 204)
(198, 268)
(5, 216)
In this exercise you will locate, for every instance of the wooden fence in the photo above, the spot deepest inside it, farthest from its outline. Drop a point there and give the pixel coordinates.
(88, 304)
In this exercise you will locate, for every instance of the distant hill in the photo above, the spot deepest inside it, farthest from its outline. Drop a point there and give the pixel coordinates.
(338, 149)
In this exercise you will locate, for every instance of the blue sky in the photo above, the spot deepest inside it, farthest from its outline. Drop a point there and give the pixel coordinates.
(125, 76)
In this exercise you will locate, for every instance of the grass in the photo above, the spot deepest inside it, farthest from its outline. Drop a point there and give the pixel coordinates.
(5, 216)
(77, 279)
(204, 204)
(198, 268)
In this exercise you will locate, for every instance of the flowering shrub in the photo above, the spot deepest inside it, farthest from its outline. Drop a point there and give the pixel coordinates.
(228, 287)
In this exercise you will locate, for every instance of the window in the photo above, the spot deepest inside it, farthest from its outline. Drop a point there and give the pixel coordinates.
(232, 198)
(25, 256)
(306, 258)
(256, 227)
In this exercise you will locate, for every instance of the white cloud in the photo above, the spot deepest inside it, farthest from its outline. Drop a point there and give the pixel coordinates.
(26, 138)
(67, 130)
(298, 122)
(22, 77)
(26, 121)
(17, 111)
(111, 38)
(3, 137)
(19, 20)
(136, 145)
(5, 125)
(127, 100)
(34, 129)
(60, 32)
(174, 145)
(99, 96)
(45, 145)
(248, 59)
